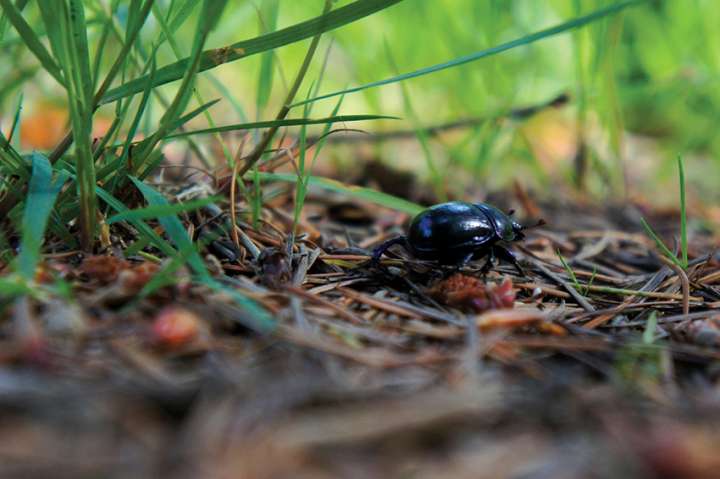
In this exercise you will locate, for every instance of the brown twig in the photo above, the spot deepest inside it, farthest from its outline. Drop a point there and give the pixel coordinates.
(517, 114)
(684, 283)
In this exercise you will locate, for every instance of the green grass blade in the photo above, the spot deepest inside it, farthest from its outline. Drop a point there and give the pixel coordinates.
(11, 159)
(569, 271)
(591, 280)
(683, 214)
(258, 318)
(210, 14)
(12, 286)
(66, 53)
(661, 246)
(306, 173)
(133, 31)
(79, 52)
(325, 133)
(173, 227)
(359, 192)
(183, 13)
(174, 44)
(145, 230)
(649, 333)
(420, 132)
(159, 210)
(132, 131)
(67, 33)
(269, 15)
(31, 40)
(213, 58)
(261, 145)
(526, 40)
(81, 111)
(166, 276)
(3, 26)
(102, 44)
(151, 165)
(14, 136)
(192, 114)
(228, 95)
(301, 180)
(42, 192)
(138, 163)
(281, 123)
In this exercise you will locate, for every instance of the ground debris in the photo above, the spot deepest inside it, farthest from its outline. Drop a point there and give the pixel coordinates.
(443, 369)
(472, 294)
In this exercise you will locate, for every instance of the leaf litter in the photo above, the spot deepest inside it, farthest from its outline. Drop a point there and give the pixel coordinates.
(601, 364)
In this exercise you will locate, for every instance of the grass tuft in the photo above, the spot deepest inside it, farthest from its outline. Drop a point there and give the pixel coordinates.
(257, 317)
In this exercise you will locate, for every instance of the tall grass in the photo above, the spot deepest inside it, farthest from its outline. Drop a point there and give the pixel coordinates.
(100, 170)
(476, 59)
(661, 49)
(69, 63)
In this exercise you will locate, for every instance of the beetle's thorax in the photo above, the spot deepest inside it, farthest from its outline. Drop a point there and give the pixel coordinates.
(502, 224)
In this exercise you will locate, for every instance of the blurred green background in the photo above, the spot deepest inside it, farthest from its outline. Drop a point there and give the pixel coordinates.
(643, 87)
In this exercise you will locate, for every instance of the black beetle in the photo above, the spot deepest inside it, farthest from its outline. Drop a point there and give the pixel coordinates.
(456, 232)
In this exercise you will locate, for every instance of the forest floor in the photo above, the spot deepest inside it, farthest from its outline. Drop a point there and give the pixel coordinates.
(605, 367)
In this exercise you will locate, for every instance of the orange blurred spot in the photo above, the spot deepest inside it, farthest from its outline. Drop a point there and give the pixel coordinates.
(174, 327)
(46, 126)
(103, 268)
(139, 275)
(509, 319)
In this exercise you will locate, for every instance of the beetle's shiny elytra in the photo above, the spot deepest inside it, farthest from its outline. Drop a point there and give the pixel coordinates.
(456, 232)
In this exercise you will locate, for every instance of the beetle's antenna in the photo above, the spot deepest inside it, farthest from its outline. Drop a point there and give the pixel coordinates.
(541, 222)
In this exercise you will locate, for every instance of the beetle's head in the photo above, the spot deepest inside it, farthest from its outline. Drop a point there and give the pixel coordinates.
(513, 230)
(506, 227)
(519, 229)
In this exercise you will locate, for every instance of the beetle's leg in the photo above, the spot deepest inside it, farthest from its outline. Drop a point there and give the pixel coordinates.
(463, 262)
(383, 247)
(489, 263)
(507, 255)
